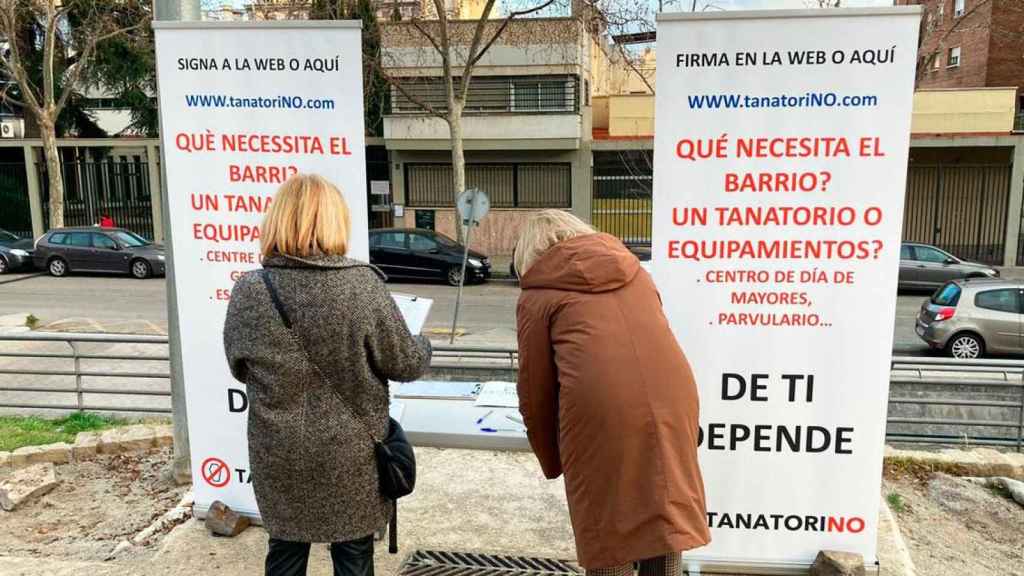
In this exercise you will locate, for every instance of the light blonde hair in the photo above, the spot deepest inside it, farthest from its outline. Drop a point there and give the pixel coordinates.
(547, 228)
(307, 217)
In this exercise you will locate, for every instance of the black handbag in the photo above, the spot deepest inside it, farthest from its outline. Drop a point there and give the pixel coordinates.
(396, 460)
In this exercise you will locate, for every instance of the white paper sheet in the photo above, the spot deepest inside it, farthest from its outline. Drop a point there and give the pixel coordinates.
(414, 309)
(498, 395)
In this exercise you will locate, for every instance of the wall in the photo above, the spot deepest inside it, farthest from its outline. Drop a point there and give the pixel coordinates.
(1006, 47)
(630, 116)
(981, 110)
(496, 235)
(970, 33)
(516, 126)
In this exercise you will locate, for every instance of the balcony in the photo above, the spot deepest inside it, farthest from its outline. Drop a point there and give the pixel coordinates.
(508, 108)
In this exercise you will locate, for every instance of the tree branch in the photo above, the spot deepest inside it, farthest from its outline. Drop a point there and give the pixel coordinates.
(399, 85)
(504, 24)
(419, 27)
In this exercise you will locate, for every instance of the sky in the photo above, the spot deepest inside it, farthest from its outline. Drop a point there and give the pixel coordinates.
(769, 4)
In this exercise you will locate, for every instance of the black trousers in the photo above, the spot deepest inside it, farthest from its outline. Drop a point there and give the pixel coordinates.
(352, 558)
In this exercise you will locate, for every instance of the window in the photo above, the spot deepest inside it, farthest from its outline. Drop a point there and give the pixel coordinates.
(998, 300)
(948, 295)
(421, 243)
(959, 7)
(925, 254)
(391, 240)
(942, 11)
(103, 241)
(129, 239)
(906, 253)
(540, 96)
(954, 58)
(937, 64)
(509, 185)
(81, 240)
(59, 239)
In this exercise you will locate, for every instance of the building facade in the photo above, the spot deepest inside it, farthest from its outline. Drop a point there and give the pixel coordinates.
(970, 43)
(526, 126)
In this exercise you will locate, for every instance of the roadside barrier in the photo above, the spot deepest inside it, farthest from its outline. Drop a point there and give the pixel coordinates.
(931, 401)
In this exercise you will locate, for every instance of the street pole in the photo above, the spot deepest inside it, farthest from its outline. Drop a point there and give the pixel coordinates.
(181, 468)
(465, 257)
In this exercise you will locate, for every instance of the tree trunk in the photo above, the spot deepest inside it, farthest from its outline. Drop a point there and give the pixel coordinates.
(458, 161)
(53, 172)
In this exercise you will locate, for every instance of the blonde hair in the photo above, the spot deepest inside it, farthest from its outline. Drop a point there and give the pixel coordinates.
(308, 216)
(547, 228)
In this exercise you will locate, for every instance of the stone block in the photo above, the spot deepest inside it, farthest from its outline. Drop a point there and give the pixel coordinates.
(5, 461)
(127, 439)
(994, 463)
(834, 563)
(223, 521)
(59, 453)
(26, 484)
(86, 446)
(164, 435)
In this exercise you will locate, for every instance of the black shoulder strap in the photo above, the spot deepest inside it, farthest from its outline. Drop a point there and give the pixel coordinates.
(275, 298)
(279, 305)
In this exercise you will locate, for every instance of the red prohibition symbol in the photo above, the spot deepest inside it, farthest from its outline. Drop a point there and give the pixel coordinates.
(216, 472)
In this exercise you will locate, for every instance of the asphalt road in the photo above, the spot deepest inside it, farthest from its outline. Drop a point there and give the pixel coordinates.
(125, 302)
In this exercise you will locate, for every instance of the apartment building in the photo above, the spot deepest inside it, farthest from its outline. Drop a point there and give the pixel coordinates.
(971, 43)
(526, 126)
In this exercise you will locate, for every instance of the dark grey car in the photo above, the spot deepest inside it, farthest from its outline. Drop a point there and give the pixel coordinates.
(925, 267)
(111, 250)
(15, 252)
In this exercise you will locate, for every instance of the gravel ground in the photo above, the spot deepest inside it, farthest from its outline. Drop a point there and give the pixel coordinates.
(96, 505)
(954, 527)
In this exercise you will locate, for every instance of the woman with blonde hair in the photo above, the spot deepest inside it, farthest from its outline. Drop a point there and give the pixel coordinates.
(608, 398)
(316, 337)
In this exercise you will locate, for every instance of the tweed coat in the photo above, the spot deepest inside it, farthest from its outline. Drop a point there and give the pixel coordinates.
(313, 464)
(609, 399)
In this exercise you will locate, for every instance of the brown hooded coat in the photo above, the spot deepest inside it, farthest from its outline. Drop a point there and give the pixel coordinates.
(609, 399)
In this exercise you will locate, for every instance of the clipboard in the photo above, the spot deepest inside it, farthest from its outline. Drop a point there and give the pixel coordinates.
(414, 310)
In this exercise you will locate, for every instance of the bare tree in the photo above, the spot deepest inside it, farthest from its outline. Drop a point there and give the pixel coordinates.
(935, 33)
(824, 3)
(71, 32)
(459, 45)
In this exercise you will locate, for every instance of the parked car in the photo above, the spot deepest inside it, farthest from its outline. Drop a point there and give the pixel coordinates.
(971, 317)
(416, 253)
(94, 249)
(15, 252)
(927, 267)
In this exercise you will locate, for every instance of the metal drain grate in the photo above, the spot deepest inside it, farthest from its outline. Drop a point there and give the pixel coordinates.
(441, 563)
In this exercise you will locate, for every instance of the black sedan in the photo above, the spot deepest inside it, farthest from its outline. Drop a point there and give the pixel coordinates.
(424, 254)
(15, 252)
(94, 249)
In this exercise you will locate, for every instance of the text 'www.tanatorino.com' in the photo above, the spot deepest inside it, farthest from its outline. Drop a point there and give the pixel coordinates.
(808, 100)
(258, 102)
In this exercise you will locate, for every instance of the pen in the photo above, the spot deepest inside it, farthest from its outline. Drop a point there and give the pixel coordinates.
(515, 419)
(493, 430)
(484, 417)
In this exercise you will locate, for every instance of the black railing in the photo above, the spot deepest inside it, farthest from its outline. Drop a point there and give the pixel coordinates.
(115, 187)
(15, 214)
(622, 206)
(535, 185)
(491, 95)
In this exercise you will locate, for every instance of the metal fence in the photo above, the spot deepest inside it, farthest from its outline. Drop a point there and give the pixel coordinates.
(622, 206)
(117, 187)
(15, 214)
(959, 208)
(491, 95)
(511, 185)
(932, 400)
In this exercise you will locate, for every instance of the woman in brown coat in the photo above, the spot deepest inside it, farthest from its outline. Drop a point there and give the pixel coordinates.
(608, 398)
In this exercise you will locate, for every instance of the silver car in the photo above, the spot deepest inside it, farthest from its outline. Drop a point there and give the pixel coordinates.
(971, 317)
(927, 267)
